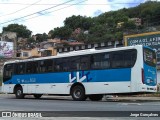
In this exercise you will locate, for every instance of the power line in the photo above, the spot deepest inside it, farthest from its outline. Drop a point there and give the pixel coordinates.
(36, 12)
(20, 9)
(56, 10)
(65, 4)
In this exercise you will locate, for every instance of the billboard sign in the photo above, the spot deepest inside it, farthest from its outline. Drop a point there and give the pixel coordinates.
(6, 49)
(151, 39)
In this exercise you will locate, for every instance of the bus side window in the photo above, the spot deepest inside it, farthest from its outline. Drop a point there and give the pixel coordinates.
(20, 68)
(74, 63)
(85, 62)
(105, 60)
(49, 65)
(117, 60)
(130, 58)
(100, 61)
(61, 65)
(42, 67)
(65, 65)
(57, 65)
(35, 67)
(8, 71)
(95, 61)
(29, 67)
(32, 67)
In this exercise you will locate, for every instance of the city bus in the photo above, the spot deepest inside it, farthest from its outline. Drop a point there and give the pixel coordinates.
(83, 74)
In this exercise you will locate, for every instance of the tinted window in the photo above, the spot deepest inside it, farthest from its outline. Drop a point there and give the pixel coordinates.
(32, 67)
(130, 58)
(42, 67)
(49, 65)
(84, 62)
(74, 63)
(61, 64)
(123, 59)
(117, 60)
(100, 61)
(8, 71)
(46, 65)
(20, 68)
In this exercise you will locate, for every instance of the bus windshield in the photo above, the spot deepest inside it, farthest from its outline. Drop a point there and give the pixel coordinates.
(149, 57)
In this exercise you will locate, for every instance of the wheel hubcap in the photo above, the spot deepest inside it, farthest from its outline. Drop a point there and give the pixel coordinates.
(77, 94)
(19, 92)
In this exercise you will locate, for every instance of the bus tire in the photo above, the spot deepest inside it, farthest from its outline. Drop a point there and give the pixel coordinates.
(37, 96)
(97, 97)
(19, 93)
(78, 93)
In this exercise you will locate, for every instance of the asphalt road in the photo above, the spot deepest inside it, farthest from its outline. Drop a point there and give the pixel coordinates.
(65, 106)
(58, 103)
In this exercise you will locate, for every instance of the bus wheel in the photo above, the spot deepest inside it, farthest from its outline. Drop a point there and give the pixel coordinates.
(37, 96)
(78, 93)
(19, 93)
(95, 97)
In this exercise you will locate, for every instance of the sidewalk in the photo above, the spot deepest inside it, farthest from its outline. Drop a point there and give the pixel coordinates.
(133, 98)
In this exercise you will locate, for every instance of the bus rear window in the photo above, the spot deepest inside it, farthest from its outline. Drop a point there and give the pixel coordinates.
(149, 57)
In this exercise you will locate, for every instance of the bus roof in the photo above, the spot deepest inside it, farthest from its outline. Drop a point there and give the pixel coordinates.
(76, 53)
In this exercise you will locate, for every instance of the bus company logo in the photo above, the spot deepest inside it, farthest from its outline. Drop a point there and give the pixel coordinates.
(78, 78)
(30, 80)
(18, 80)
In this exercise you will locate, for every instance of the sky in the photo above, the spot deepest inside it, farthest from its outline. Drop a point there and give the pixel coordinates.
(41, 16)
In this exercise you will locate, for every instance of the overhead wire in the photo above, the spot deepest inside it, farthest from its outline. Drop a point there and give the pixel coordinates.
(42, 11)
(66, 4)
(36, 12)
(55, 10)
(21, 9)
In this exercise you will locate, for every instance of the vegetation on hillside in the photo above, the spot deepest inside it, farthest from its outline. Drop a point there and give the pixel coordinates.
(101, 28)
(104, 27)
(21, 30)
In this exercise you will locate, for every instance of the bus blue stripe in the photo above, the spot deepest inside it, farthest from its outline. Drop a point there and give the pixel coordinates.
(110, 75)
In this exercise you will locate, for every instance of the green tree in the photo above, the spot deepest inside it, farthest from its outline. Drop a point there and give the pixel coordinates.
(82, 37)
(120, 17)
(104, 26)
(31, 40)
(61, 32)
(41, 37)
(82, 22)
(21, 30)
(129, 25)
(119, 35)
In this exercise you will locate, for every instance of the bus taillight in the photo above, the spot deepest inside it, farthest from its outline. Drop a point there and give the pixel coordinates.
(142, 73)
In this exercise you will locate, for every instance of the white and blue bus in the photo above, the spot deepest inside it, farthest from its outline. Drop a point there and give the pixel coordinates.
(86, 73)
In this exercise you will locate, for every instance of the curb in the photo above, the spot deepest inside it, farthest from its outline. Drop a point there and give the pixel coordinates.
(133, 99)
